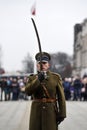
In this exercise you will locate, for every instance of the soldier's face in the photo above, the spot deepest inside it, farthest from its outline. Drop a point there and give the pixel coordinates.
(45, 66)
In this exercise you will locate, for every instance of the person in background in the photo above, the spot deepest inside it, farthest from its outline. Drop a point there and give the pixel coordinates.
(66, 85)
(77, 84)
(15, 89)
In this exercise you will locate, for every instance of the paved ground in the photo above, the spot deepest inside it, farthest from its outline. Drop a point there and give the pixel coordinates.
(14, 115)
(76, 116)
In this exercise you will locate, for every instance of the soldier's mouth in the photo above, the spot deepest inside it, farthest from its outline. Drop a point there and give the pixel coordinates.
(43, 68)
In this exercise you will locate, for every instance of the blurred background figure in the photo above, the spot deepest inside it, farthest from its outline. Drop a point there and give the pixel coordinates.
(66, 85)
(77, 84)
(84, 89)
(15, 87)
(21, 93)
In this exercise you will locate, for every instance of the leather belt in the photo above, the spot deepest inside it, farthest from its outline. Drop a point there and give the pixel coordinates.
(46, 100)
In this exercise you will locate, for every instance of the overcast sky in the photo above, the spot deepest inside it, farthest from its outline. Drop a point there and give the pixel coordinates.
(55, 20)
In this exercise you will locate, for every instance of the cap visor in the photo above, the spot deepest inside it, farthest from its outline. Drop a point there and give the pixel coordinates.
(42, 61)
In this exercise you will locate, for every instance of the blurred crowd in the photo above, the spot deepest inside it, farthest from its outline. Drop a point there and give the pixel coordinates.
(10, 88)
(75, 88)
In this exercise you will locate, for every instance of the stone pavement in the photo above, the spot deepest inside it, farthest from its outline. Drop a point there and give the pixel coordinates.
(14, 115)
(76, 116)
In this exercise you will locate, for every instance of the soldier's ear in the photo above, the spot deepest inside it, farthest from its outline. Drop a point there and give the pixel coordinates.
(49, 65)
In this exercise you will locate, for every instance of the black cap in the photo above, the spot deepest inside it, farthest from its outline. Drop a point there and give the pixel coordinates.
(45, 57)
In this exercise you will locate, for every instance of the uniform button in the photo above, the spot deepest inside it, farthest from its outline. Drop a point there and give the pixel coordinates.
(44, 95)
(44, 107)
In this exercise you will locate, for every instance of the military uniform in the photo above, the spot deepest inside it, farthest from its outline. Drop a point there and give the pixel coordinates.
(43, 115)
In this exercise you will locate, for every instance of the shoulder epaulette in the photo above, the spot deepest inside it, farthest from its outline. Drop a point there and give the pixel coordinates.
(55, 73)
(31, 77)
(58, 75)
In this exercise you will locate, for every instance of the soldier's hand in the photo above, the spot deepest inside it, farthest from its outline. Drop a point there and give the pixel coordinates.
(41, 76)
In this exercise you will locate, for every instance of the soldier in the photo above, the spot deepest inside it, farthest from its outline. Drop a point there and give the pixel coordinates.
(44, 87)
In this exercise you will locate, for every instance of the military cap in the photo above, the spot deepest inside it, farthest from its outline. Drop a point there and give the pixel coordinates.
(44, 56)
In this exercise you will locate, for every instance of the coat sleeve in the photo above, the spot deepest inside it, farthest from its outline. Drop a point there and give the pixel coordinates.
(32, 85)
(61, 99)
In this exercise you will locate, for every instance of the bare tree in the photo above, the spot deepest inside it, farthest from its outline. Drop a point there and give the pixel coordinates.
(61, 63)
(28, 64)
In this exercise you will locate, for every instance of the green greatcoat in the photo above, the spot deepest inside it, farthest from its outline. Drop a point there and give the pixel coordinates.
(43, 116)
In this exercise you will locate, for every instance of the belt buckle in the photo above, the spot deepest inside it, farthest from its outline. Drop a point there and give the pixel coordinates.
(44, 99)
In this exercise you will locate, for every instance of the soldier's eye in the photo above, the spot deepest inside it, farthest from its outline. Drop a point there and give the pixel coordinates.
(44, 62)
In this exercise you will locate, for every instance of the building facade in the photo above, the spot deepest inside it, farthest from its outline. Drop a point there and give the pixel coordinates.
(80, 49)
